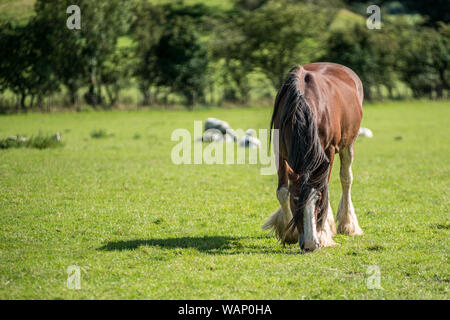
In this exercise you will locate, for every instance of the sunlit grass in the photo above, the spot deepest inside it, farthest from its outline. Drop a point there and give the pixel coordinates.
(139, 226)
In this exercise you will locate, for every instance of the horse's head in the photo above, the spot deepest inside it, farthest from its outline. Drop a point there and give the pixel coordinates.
(306, 203)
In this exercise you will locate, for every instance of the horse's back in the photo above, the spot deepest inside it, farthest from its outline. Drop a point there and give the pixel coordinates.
(339, 72)
(336, 94)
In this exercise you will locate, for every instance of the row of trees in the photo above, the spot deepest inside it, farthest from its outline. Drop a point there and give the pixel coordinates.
(417, 56)
(188, 51)
(42, 56)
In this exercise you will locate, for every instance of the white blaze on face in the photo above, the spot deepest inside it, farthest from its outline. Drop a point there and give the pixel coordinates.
(309, 222)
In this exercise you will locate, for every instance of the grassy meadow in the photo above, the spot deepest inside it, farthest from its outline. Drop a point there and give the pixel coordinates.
(111, 202)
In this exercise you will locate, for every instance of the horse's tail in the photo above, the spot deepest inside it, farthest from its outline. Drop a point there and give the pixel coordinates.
(307, 157)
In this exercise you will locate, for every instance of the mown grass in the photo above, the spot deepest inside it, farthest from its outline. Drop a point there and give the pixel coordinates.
(140, 227)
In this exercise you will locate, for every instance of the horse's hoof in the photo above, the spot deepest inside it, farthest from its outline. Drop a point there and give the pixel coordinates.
(350, 229)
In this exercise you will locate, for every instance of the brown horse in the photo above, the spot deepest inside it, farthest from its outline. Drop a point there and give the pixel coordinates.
(318, 112)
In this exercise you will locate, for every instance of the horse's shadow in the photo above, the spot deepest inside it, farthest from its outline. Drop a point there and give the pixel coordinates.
(206, 244)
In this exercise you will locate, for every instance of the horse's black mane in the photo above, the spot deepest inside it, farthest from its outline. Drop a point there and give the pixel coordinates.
(306, 155)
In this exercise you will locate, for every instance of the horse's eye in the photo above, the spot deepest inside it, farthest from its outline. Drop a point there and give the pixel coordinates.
(307, 77)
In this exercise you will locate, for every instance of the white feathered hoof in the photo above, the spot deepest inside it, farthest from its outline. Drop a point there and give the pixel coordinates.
(350, 228)
(328, 231)
(347, 221)
(278, 225)
(326, 239)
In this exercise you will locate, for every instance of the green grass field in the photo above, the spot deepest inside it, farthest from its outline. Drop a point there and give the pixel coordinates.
(140, 227)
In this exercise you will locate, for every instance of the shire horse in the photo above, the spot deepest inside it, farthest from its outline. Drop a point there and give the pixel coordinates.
(318, 113)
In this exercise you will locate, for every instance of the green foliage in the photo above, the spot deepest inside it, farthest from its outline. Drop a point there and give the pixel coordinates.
(425, 60)
(26, 62)
(372, 54)
(400, 50)
(42, 141)
(198, 52)
(272, 39)
(250, 4)
(229, 46)
(353, 49)
(39, 141)
(117, 72)
(345, 19)
(84, 57)
(438, 11)
(146, 31)
(69, 61)
(99, 134)
(16, 11)
(170, 51)
(17, 141)
(182, 62)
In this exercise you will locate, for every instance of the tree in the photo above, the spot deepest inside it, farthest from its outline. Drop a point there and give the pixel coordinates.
(116, 73)
(229, 48)
(25, 63)
(371, 54)
(182, 61)
(67, 46)
(169, 51)
(250, 4)
(426, 59)
(146, 30)
(438, 11)
(280, 34)
(80, 55)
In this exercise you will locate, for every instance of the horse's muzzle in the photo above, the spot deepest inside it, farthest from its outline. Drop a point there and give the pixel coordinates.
(307, 246)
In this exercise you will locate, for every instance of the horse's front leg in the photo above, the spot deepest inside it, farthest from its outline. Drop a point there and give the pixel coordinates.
(347, 221)
(328, 229)
(280, 219)
(286, 235)
(283, 191)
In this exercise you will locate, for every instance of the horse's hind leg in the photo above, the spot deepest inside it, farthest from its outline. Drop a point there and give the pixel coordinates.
(347, 221)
